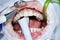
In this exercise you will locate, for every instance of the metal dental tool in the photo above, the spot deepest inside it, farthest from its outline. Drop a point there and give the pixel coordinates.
(5, 17)
(10, 14)
(24, 22)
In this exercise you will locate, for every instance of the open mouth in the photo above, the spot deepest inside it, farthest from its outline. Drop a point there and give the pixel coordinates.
(30, 16)
(36, 23)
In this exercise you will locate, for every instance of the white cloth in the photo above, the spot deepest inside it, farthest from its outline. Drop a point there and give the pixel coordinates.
(2, 19)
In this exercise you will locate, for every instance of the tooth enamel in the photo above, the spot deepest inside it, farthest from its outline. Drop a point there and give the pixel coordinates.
(20, 31)
(35, 29)
(25, 13)
(15, 18)
(41, 17)
(38, 15)
(39, 29)
(18, 16)
(21, 14)
(31, 29)
(35, 13)
(42, 28)
(30, 13)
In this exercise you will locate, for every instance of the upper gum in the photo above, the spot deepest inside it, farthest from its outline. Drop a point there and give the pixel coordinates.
(28, 10)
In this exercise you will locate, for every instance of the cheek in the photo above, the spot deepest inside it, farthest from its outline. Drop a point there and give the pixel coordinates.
(9, 26)
(10, 30)
(16, 27)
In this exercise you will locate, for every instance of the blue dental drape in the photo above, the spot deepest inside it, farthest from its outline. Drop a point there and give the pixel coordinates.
(0, 27)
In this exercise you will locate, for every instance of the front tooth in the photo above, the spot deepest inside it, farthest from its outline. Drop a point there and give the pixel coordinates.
(37, 29)
(25, 13)
(30, 13)
(21, 14)
(35, 13)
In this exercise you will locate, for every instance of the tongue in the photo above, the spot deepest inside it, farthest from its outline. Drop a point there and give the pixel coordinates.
(24, 22)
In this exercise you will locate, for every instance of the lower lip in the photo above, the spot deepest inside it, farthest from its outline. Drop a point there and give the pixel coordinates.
(35, 35)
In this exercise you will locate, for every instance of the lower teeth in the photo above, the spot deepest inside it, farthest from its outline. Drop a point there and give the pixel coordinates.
(24, 26)
(32, 30)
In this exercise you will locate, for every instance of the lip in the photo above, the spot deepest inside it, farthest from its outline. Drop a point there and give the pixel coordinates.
(34, 35)
(33, 9)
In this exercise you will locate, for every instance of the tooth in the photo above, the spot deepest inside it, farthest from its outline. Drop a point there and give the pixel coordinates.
(21, 39)
(41, 17)
(20, 31)
(38, 15)
(18, 16)
(34, 29)
(25, 13)
(15, 18)
(30, 13)
(21, 14)
(31, 29)
(35, 13)
(39, 29)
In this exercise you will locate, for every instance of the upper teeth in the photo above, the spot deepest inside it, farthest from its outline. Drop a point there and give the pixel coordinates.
(28, 13)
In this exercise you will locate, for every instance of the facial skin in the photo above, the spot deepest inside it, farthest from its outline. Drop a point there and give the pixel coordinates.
(33, 23)
(48, 30)
(13, 33)
(9, 27)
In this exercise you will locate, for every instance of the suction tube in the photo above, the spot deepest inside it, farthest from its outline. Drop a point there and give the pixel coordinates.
(25, 28)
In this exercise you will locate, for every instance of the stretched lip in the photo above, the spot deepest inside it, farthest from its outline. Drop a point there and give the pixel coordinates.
(30, 9)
